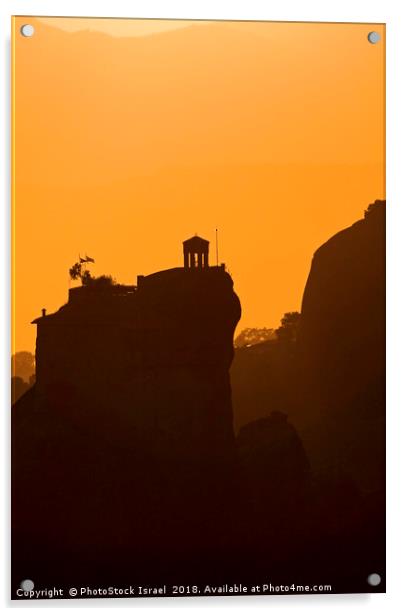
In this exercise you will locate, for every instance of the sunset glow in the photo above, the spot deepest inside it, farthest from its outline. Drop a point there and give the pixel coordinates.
(132, 135)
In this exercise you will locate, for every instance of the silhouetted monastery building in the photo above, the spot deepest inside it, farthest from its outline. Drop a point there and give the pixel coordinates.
(159, 351)
(126, 440)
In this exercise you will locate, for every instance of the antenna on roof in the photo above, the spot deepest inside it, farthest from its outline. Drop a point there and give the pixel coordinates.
(216, 242)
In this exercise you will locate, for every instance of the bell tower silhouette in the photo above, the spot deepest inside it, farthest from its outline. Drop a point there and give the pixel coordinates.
(196, 251)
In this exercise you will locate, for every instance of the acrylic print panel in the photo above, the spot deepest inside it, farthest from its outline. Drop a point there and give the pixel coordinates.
(198, 314)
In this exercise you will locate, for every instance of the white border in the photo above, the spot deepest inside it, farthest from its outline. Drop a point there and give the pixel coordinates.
(381, 11)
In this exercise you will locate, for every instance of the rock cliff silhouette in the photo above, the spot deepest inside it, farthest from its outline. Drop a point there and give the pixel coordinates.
(341, 353)
(331, 384)
(125, 444)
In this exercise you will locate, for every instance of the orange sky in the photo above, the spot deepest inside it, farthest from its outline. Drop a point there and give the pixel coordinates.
(132, 135)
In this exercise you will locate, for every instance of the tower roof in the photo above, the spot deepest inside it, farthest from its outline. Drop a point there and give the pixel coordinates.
(196, 242)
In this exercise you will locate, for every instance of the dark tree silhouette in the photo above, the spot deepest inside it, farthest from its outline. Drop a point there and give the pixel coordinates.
(287, 332)
(254, 335)
(100, 281)
(23, 365)
(377, 206)
(75, 271)
(86, 278)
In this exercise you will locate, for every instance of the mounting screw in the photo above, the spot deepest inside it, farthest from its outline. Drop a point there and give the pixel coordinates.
(27, 30)
(373, 37)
